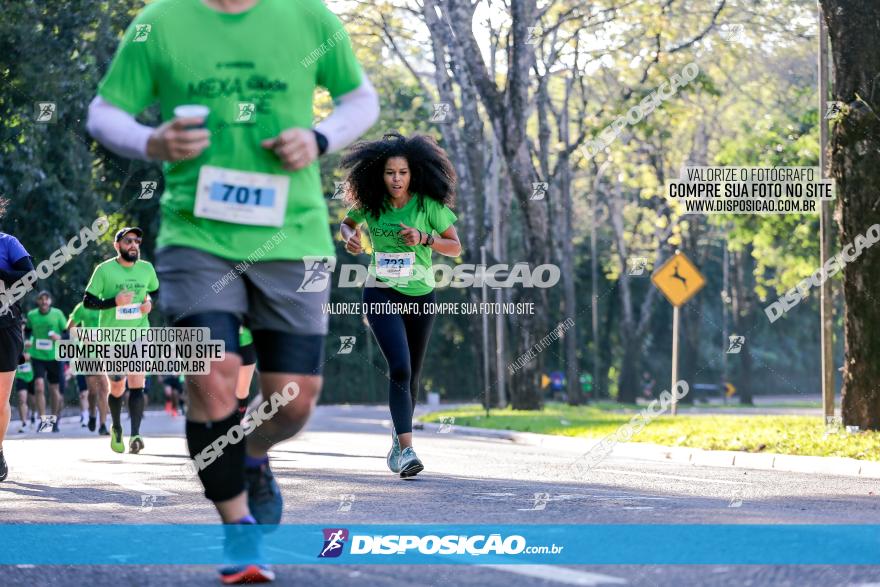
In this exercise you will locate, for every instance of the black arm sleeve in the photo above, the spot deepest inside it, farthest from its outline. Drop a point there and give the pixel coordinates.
(19, 269)
(154, 296)
(93, 302)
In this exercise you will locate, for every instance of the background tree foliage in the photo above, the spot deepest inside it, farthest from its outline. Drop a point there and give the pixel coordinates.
(527, 84)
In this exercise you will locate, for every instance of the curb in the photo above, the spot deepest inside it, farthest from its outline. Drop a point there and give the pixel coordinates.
(698, 457)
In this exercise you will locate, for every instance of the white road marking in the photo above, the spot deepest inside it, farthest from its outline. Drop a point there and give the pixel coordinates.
(680, 477)
(559, 574)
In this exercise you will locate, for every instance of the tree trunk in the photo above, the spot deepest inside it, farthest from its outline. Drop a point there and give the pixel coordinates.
(572, 372)
(601, 388)
(854, 27)
(628, 382)
(630, 368)
(743, 320)
(692, 313)
(508, 112)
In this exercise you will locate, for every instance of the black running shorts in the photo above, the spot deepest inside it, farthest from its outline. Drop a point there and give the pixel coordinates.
(11, 347)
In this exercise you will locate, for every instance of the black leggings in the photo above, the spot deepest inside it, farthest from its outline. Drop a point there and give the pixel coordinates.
(403, 339)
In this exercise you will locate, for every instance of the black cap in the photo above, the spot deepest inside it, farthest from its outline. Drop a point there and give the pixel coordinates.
(123, 231)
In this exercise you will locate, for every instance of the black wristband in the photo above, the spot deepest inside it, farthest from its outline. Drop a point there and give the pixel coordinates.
(322, 142)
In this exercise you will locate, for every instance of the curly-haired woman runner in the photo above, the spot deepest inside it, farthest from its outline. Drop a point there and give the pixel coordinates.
(402, 189)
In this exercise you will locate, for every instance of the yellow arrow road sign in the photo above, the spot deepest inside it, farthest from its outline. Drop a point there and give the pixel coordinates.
(678, 279)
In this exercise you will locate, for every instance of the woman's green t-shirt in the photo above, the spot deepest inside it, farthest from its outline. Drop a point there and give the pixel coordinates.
(407, 269)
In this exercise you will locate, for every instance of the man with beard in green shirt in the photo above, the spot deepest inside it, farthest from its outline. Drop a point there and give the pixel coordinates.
(123, 288)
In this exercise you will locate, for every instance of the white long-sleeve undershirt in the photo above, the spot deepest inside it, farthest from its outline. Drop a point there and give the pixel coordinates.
(353, 114)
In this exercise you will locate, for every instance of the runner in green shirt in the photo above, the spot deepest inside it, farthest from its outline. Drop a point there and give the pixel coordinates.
(24, 383)
(98, 388)
(45, 325)
(235, 81)
(401, 189)
(251, 170)
(122, 289)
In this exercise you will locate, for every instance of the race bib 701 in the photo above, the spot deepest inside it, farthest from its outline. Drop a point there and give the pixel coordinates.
(241, 197)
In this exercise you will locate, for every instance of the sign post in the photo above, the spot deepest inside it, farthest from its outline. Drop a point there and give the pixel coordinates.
(826, 299)
(675, 320)
(679, 280)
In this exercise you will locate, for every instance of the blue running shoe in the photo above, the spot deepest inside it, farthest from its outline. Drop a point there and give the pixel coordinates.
(409, 463)
(393, 458)
(241, 548)
(246, 574)
(264, 496)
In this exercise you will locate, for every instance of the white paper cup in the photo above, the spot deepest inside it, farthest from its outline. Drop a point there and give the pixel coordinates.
(192, 111)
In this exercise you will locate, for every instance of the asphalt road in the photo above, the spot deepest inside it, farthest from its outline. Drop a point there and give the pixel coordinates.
(334, 474)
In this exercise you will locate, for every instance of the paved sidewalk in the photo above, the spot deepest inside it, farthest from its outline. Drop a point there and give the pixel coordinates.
(694, 456)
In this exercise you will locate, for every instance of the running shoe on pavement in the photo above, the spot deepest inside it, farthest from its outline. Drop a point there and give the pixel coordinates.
(135, 445)
(246, 574)
(393, 458)
(264, 496)
(409, 463)
(241, 548)
(116, 442)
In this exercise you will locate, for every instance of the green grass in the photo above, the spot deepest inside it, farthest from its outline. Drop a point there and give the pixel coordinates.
(793, 435)
(732, 405)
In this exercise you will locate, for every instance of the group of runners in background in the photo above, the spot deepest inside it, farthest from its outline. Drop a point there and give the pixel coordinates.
(234, 182)
(98, 393)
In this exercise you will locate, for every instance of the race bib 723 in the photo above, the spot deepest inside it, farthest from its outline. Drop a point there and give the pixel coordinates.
(394, 264)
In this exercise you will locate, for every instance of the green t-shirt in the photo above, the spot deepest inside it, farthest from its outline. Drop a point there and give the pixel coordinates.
(110, 278)
(257, 72)
(389, 250)
(245, 337)
(25, 372)
(43, 347)
(84, 317)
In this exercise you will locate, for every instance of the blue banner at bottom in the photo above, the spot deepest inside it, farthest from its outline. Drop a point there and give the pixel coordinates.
(595, 544)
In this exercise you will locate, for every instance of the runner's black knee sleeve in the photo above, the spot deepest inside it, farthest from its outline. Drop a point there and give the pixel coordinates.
(219, 456)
